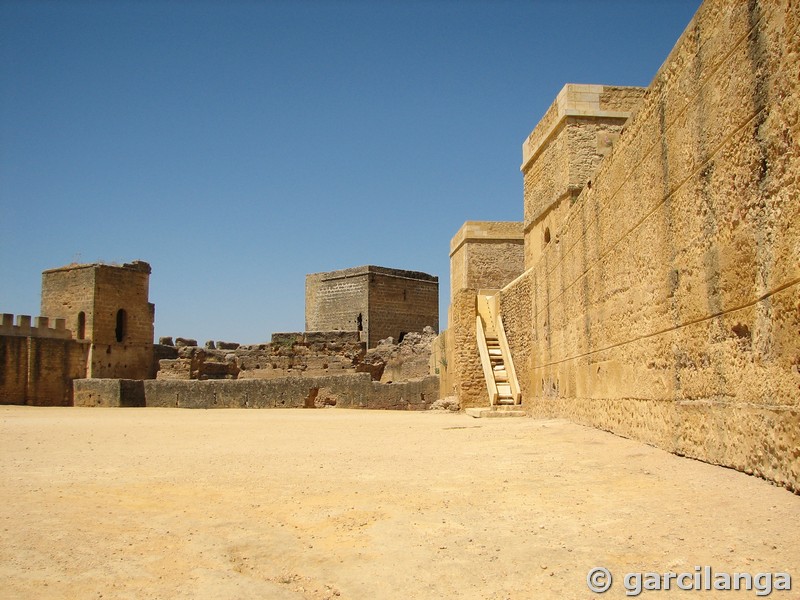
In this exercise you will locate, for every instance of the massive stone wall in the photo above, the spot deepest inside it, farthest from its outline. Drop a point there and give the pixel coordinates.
(347, 391)
(669, 311)
(13, 369)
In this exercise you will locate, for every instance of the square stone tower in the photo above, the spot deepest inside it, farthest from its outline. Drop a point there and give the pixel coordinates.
(107, 305)
(563, 153)
(376, 301)
(486, 255)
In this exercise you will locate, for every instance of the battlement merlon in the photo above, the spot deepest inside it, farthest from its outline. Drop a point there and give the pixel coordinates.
(581, 100)
(42, 327)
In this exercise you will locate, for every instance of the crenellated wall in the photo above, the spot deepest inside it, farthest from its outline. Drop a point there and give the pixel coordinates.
(38, 361)
(669, 308)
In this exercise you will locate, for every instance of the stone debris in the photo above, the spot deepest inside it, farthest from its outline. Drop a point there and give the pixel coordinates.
(447, 403)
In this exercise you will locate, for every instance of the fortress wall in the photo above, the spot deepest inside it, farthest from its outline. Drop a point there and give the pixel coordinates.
(38, 360)
(109, 392)
(669, 311)
(13, 369)
(516, 310)
(52, 365)
(344, 391)
(41, 327)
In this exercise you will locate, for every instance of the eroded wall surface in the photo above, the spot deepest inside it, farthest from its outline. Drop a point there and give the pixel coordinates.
(122, 342)
(39, 361)
(669, 311)
(463, 360)
(564, 151)
(486, 255)
(345, 391)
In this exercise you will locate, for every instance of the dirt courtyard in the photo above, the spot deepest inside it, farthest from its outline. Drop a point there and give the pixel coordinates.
(313, 504)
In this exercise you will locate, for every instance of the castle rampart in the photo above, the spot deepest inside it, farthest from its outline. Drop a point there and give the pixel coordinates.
(665, 308)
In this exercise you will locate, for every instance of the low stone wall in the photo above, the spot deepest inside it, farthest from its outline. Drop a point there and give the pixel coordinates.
(108, 392)
(38, 371)
(342, 391)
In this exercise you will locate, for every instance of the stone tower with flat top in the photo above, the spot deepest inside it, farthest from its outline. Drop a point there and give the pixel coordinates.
(108, 306)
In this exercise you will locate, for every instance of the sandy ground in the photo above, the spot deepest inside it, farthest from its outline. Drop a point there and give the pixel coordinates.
(314, 504)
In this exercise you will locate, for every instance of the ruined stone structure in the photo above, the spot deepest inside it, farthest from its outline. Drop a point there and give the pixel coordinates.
(98, 323)
(661, 293)
(301, 354)
(356, 390)
(95, 348)
(376, 301)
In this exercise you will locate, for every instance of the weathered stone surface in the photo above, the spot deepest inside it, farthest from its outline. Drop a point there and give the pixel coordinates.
(166, 341)
(409, 359)
(344, 391)
(668, 309)
(661, 298)
(182, 342)
(374, 302)
(486, 255)
(109, 392)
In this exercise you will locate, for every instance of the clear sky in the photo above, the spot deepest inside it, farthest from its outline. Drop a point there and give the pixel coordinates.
(238, 145)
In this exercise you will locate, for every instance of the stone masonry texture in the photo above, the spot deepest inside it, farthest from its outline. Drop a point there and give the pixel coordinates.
(486, 255)
(669, 309)
(345, 391)
(376, 301)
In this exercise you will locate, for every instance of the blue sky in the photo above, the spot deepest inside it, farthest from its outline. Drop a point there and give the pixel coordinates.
(238, 145)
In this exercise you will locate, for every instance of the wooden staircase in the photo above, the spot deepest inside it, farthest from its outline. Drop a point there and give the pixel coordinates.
(499, 371)
(505, 398)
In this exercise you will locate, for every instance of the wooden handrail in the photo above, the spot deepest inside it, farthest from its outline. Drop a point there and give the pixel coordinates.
(491, 386)
(509, 362)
